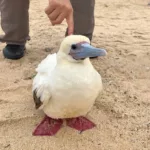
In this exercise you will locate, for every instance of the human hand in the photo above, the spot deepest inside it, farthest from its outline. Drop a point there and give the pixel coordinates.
(58, 10)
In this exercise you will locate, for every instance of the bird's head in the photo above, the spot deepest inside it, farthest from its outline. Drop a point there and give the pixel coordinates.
(76, 48)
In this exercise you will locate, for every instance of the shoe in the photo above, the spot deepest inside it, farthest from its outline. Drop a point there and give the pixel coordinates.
(12, 51)
(93, 57)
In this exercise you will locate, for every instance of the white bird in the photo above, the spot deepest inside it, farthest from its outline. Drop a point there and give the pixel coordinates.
(67, 85)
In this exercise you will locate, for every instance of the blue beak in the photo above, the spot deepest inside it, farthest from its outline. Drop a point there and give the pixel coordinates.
(85, 50)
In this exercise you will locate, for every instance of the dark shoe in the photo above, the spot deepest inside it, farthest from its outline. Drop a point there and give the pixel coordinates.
(93, 57)
(14, 51)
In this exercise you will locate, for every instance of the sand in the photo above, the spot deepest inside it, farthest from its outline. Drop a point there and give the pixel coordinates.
(122, 111)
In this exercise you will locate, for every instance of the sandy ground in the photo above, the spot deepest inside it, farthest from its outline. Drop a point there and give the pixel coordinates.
(122, 111)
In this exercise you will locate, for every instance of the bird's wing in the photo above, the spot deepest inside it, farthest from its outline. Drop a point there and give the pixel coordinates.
(41, 83)
(48, 64)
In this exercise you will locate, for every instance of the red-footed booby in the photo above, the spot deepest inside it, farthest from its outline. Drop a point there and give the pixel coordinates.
(66, 86)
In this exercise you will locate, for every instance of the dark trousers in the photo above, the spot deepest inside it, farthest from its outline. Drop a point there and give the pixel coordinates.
(15, 19)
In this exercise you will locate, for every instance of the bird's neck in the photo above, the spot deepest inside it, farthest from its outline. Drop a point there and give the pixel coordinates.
(62, 59)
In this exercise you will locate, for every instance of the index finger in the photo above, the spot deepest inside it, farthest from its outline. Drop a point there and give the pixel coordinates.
(70, 23)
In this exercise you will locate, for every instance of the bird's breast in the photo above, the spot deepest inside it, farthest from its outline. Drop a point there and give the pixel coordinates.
(73, 94)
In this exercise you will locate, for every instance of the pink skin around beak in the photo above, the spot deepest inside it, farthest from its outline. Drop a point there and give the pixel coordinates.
(85, 50)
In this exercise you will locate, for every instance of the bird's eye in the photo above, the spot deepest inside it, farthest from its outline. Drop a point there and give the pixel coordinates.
(74, 46)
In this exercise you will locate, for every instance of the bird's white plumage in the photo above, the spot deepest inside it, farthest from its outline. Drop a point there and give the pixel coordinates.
(67, 89)
(48, 64)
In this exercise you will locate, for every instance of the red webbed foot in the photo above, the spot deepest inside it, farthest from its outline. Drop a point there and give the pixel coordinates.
(80, 123)
(48, 127)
